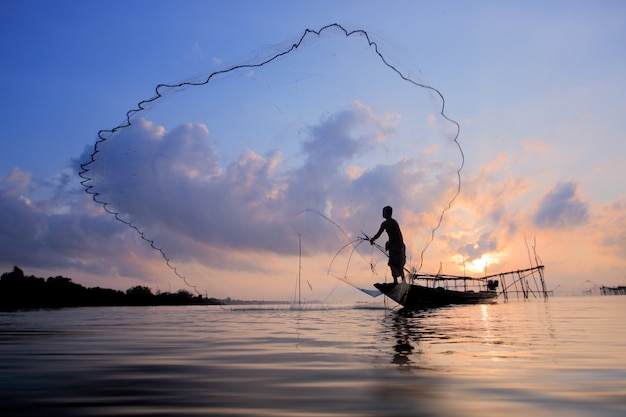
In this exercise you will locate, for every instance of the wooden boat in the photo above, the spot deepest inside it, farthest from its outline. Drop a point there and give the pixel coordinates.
(426, 290)
(413, 296)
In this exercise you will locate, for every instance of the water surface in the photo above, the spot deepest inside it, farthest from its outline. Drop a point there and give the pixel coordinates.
(560, 357)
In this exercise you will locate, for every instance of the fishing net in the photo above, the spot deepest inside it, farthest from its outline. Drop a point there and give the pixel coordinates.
(226, 173)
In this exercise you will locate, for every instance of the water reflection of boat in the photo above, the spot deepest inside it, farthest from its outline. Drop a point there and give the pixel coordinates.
(426, 290)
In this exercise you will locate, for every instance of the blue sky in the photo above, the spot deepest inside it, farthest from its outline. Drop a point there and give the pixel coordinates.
(537, 88)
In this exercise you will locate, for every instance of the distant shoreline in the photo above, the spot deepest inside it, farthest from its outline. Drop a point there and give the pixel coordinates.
(21, 292)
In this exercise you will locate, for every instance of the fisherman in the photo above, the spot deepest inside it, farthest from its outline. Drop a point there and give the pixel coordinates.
(395, 245)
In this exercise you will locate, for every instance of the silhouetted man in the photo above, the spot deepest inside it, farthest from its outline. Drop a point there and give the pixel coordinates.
(395, 245)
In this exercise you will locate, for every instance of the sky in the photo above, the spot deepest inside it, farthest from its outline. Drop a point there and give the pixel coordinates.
(252, 175)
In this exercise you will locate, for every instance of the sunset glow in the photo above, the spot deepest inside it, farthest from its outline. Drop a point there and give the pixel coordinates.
(226, 177)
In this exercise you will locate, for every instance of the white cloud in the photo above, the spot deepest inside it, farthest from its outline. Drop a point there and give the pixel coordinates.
(175, 185)
(204, 210)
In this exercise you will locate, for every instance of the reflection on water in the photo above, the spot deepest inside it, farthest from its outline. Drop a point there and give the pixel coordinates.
(561, 357)
(522, 358)
(406, 333)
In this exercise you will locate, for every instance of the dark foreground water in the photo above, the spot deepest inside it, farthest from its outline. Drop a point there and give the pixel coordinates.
(563, 357)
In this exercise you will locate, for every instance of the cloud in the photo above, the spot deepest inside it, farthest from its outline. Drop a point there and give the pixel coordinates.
(471, 251)
(242, 217)
(203, 203)
(175, 184)
(494, 224)
(226, 175)
(224, 209)
(561, 208)
(62, 229)
(201, 208)
(16, 182)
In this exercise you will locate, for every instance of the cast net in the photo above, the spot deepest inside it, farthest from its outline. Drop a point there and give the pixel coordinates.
(224, 173)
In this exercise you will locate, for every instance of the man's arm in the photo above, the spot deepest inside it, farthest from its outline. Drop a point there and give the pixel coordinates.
(377, 235)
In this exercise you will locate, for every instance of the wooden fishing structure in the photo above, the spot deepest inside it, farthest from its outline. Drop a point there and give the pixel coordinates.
(431, 290)
(621, 290)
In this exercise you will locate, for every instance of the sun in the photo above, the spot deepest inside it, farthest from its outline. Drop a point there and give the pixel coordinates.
(480, 265)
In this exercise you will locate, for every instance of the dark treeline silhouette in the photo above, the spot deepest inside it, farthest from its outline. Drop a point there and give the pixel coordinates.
(18, 291)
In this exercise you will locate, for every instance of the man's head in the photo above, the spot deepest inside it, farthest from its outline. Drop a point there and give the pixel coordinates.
(387, 210)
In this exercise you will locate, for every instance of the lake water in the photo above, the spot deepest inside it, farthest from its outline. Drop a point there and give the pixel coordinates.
(563, 357)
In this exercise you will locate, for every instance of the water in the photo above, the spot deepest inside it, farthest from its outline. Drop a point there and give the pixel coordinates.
(560, 357)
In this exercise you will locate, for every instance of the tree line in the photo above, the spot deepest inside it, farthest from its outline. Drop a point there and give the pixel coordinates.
(18, 291)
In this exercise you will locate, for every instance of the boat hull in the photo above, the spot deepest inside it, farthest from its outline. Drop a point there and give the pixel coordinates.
(414, 297)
